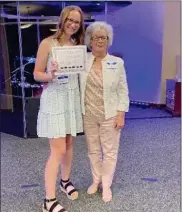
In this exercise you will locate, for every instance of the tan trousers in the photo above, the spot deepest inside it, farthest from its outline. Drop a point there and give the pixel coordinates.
(103, 144)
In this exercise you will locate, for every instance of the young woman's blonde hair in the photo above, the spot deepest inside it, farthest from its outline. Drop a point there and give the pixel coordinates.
(78, 37)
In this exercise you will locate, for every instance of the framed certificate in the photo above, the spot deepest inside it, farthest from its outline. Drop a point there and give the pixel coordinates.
(70, 59)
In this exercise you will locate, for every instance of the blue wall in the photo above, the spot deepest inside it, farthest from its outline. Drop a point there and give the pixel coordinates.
(138, 37)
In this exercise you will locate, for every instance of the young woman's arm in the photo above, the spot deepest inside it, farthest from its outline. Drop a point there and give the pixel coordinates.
(41, 63)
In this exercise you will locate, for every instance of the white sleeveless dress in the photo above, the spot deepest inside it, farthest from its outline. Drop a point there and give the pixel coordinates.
(60, 108)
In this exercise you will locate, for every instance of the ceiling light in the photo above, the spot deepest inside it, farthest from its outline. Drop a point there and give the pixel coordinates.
(25, 26)
(53, 30)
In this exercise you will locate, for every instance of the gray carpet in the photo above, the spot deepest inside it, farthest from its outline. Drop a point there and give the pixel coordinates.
(139, 112)
(147, 177)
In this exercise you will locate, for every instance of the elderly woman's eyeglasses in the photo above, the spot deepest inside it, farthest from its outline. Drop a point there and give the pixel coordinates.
(71, 21)
(97, 38)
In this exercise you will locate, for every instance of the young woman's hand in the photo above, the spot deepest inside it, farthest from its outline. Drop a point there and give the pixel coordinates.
(53, 69)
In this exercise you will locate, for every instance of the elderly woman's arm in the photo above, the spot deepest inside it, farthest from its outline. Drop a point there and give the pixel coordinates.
(122, 90)
(123, 97)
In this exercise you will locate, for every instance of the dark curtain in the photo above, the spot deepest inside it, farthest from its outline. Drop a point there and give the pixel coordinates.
(6, 92)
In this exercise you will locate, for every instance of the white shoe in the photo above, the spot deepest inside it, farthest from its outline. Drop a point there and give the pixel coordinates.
(106, 194)
(93, 188)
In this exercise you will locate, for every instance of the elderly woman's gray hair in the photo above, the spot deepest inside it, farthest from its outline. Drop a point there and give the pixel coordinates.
(98, 25)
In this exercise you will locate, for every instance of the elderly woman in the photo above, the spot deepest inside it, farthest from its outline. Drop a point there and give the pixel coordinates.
(105, 100)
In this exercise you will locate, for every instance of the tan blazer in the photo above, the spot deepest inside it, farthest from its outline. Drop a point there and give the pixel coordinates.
(114, 85)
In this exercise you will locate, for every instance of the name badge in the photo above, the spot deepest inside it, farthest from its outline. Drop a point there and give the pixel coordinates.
(111, 65)
(63, 79)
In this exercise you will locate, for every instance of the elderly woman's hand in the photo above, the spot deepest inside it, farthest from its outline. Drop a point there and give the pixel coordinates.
(120, 120)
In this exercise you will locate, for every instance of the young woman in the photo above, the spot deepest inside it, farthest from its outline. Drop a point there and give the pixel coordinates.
(59, 117)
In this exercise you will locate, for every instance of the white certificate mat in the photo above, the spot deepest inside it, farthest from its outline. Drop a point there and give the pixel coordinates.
(70, 59)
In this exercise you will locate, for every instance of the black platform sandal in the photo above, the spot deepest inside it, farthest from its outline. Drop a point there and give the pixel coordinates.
(54, 207)
(69, 189)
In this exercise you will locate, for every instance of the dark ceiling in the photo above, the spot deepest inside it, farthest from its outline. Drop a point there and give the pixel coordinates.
(46, 8)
